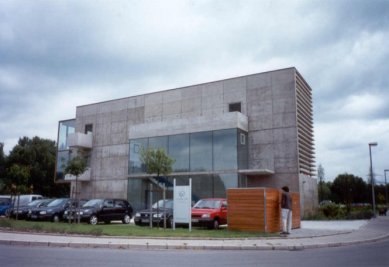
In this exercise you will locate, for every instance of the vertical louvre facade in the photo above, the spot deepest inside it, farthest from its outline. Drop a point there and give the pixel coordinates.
(306, 152)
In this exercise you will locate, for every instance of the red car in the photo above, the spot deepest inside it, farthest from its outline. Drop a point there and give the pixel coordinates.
(210, 212)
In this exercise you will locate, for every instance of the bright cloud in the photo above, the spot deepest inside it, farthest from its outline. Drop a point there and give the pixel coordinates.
(55, 55)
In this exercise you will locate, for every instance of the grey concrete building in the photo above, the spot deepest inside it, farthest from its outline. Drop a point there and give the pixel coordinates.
(249, 131)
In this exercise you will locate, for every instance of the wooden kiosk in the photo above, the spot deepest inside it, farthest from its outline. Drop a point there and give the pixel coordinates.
(259, 209)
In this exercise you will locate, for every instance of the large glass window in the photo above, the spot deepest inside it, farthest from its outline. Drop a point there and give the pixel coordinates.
(135, 165)
(63, 152)
(64, 129)
(224, 150)
(62, 159)
(179, 150)
(221, 150)
(201, 151)
(158, 142)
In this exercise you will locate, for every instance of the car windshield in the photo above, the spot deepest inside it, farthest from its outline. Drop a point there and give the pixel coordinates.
(35, 203)
(56, 202)
(159, 204)
(93, 203)
(39, 202)
(5, 201)
(207, 204)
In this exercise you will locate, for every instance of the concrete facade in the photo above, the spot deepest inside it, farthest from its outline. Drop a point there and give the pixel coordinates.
(275, 110)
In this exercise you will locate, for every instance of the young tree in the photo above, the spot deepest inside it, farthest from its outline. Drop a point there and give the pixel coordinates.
(76, 166)
(156, 161)
(320, 175)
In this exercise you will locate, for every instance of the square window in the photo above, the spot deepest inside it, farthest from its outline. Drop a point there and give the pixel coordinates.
(233, 107)
(88, 128)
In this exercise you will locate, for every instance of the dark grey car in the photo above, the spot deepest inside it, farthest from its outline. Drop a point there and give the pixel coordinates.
(160, 210)
(106, 210)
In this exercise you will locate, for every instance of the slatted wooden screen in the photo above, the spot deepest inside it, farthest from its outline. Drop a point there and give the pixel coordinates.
(258, 209)
(244, 202)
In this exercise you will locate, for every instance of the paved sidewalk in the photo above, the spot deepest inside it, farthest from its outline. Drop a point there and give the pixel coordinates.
(314, 234)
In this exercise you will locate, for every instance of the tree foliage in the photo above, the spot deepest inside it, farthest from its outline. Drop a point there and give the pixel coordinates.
(76, 166)
(31, 164)
(347, 188)
(156, 161)
(321, 185)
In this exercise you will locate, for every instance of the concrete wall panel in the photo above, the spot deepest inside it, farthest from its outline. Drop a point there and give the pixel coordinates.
(259, 80)
(286, 119)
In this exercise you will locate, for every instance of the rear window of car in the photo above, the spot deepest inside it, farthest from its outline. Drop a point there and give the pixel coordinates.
(93, 203)
(120, 204)
(108, 203)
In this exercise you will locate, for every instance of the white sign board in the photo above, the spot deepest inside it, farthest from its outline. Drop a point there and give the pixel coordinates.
(182, 208)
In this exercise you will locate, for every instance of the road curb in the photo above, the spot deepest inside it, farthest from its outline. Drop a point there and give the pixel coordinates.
(187, 246)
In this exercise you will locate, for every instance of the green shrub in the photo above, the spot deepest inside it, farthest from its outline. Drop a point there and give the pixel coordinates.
(360, 215)
(333, 211)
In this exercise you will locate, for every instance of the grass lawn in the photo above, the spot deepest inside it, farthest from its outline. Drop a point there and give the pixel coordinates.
(119, 229)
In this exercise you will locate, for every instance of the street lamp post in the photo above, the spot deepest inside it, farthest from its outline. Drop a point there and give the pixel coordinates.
(372, 176)
(386, 190)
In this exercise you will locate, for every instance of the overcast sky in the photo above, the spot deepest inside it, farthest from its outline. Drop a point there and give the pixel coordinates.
(56, 55)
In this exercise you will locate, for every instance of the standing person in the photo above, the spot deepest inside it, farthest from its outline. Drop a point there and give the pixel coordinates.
(286, 209)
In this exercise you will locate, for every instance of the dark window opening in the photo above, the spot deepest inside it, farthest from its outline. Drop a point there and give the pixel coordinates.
(88, 128)
(234, 107)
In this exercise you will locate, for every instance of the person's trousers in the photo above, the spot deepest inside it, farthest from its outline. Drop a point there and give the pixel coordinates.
(286, 220)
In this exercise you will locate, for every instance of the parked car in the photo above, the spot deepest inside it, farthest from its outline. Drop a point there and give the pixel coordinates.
(106, 210)
(22, 200)
(52, 212)
(5, 204)
(69, 213)
(160, 210)
(22, 211)
(210, 212)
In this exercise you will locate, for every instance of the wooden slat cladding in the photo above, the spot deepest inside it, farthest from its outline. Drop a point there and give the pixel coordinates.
(296, 222)
(246, 209)
(273, 211)
(258, 209)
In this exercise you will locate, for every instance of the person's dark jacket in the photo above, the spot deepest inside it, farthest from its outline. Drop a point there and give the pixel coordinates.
(286, 201)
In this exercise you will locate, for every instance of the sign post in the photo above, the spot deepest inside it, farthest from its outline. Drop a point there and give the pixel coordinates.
(182, 208)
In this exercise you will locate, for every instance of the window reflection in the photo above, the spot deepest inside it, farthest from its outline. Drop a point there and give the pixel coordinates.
(64, 129)
(179, 150)
(224, 150)
(135, 165)
(63, 152)
(221, 150)
(201, 151)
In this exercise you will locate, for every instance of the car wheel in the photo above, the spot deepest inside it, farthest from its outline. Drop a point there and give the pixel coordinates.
(93, 220)
(56, 218)
(126, 219)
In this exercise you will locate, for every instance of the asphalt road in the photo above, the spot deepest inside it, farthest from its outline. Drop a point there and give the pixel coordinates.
(373, 254)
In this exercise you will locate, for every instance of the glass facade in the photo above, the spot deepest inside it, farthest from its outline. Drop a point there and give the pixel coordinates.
(196, 152)
(63, 152)
(213, 157)
(200, 151)
(179, 150)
